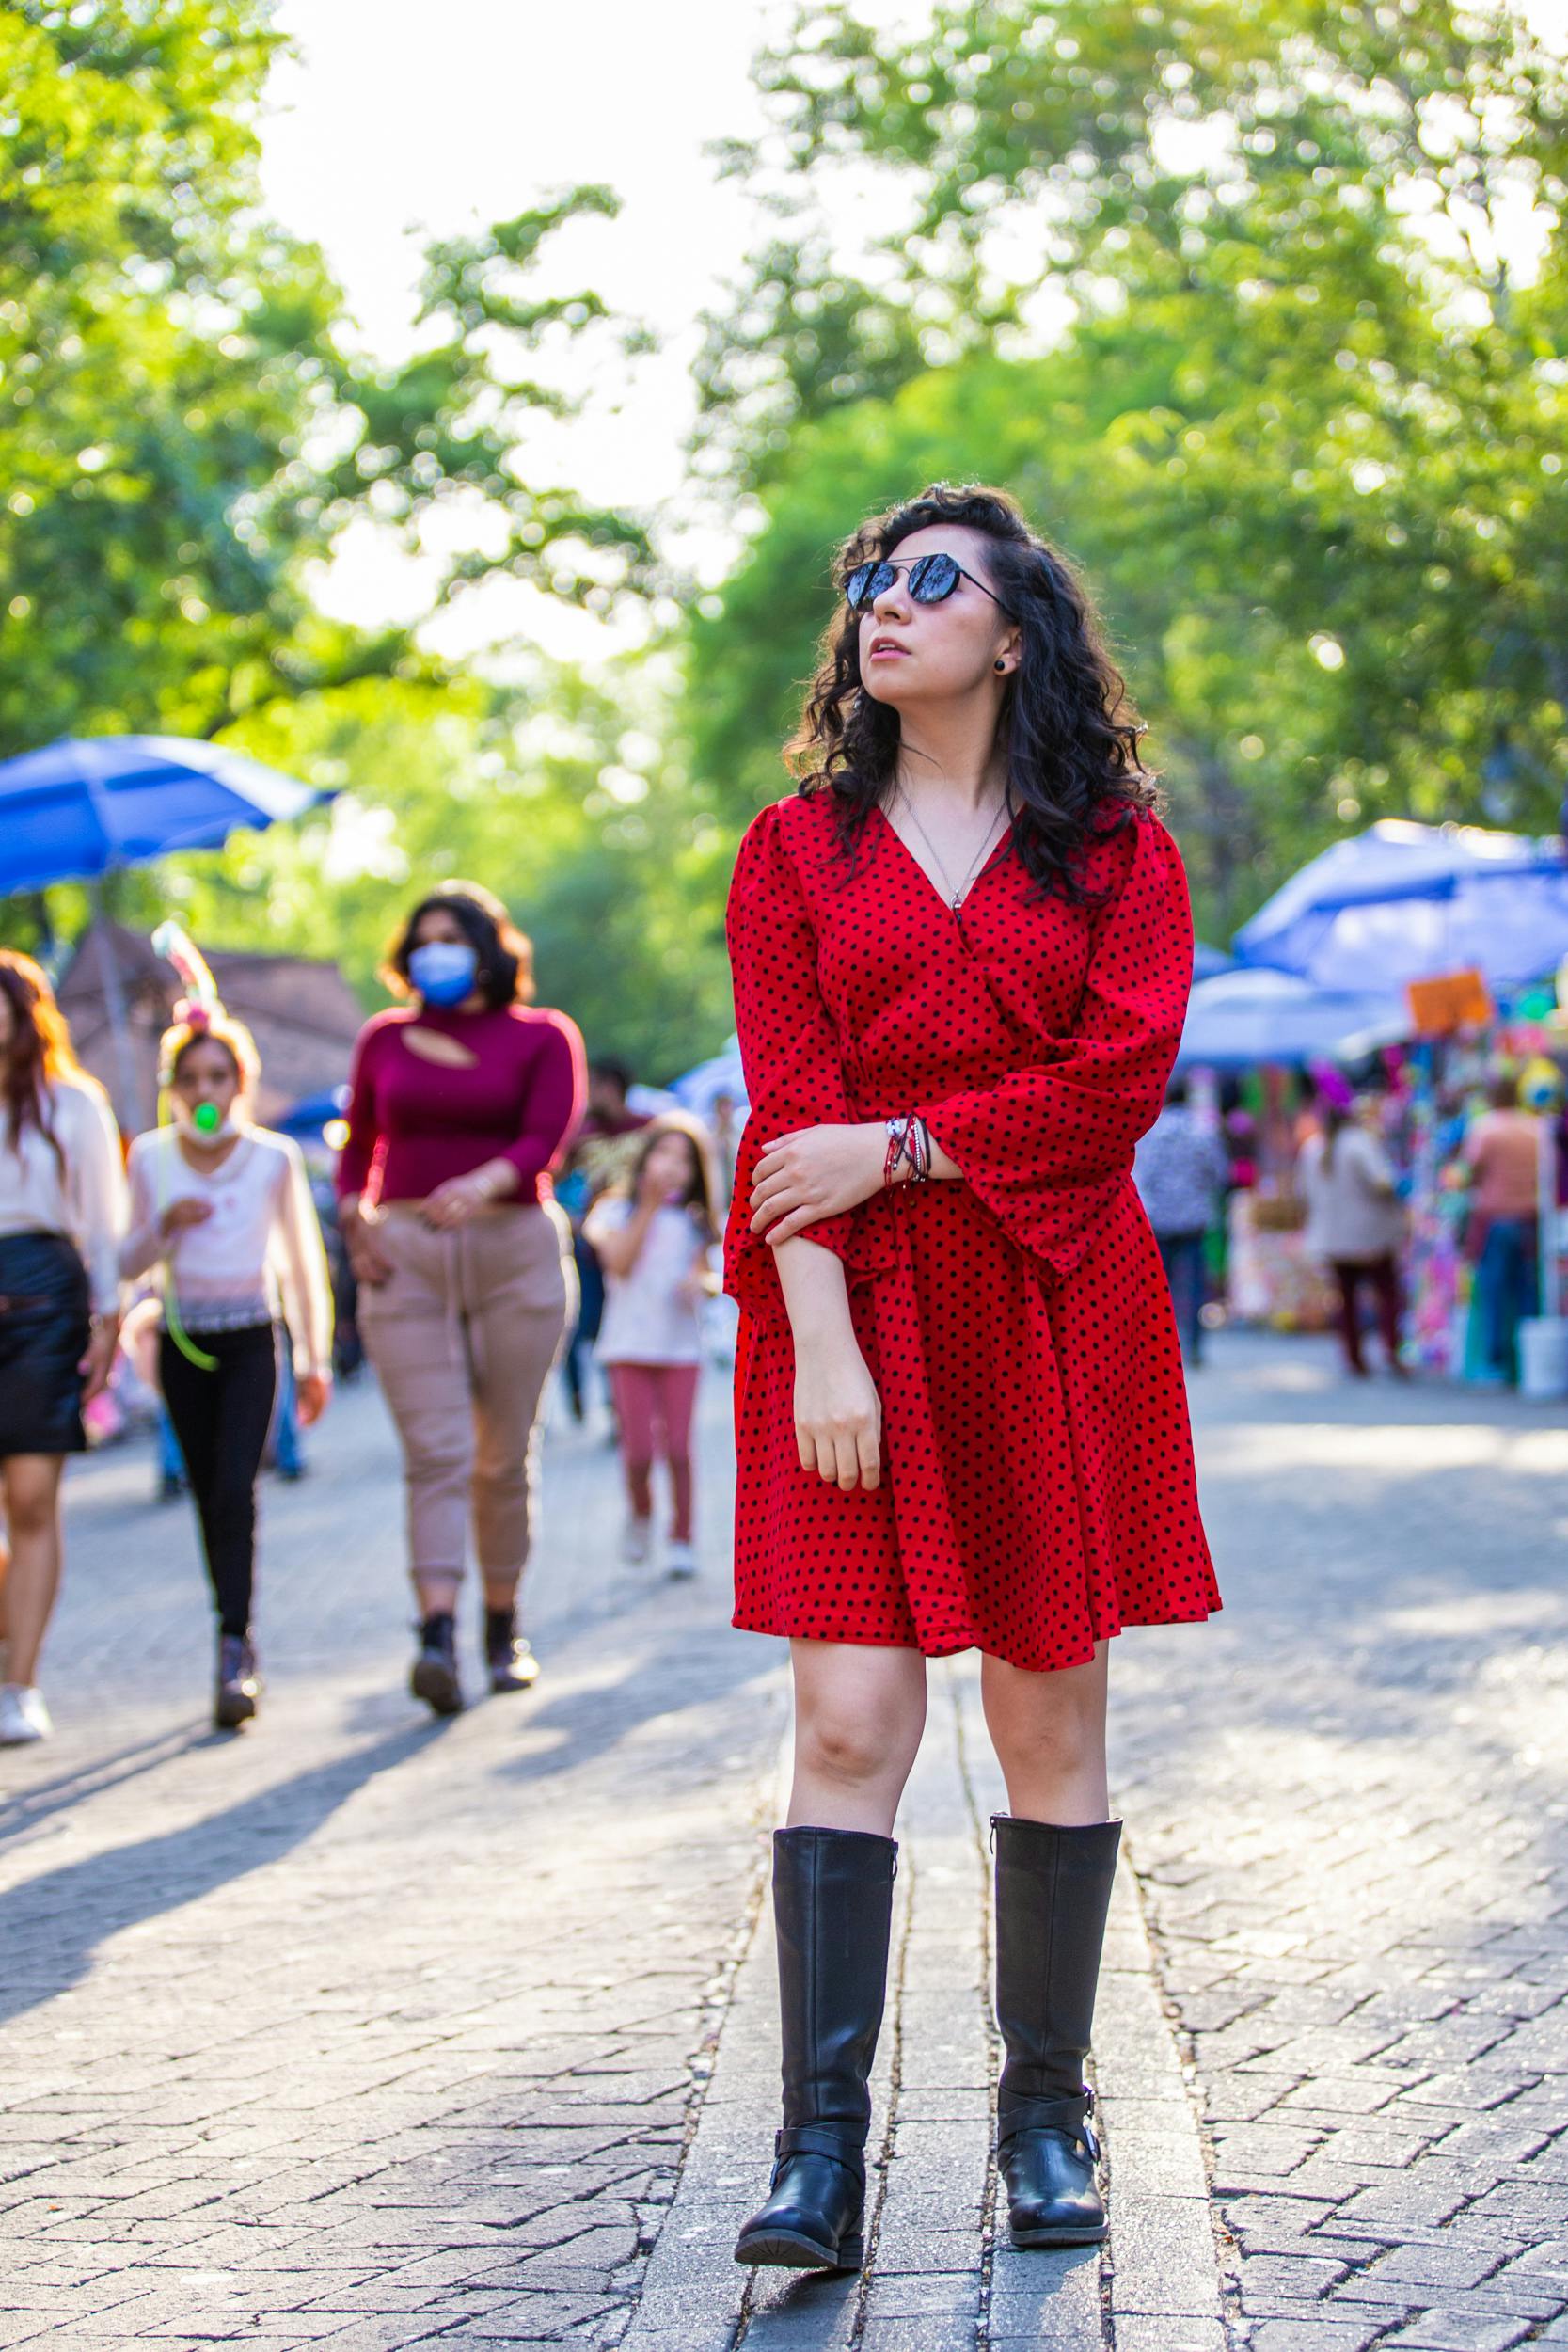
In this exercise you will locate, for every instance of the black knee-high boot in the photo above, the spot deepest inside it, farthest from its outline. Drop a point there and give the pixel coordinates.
(832, 1905)
(1052, 1893)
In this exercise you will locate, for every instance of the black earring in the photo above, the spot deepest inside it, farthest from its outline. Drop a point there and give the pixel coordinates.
(1001, 665)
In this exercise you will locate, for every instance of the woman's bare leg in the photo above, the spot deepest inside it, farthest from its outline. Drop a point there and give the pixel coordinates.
(1048, 1734)
(31, 1492)
(859, 1714)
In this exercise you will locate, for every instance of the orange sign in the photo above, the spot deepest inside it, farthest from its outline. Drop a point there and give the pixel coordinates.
(1454, 1000)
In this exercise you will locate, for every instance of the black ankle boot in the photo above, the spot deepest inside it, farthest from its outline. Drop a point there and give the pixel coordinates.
(1053, 1892)
(238, 1683)
(833, 1903)
(511, 1662)
(434, 1676)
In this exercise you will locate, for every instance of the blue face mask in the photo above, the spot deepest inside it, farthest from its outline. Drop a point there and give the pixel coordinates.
(443, 971)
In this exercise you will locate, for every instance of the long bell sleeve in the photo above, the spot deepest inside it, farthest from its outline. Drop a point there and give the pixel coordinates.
(1047, 1149)
(788, 1050)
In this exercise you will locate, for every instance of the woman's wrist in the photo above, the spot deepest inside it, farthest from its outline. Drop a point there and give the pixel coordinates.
(907, 1159)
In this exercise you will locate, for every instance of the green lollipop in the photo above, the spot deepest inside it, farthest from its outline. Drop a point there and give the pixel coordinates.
(204, 1118)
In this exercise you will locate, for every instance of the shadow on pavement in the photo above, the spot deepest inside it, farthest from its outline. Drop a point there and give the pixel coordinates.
(55, 1923)
(587, 1722)
(25, 1807)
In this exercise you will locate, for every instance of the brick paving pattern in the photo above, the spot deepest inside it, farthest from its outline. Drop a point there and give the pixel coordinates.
(1349, 1808)
(364, 2030)
(361, 2029)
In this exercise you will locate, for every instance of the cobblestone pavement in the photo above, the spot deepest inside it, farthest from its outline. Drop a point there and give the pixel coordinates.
(1349, 1806)
(365, 2031)
(360, 2028)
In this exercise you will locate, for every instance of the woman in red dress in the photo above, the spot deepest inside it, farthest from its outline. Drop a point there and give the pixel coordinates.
(961, 960)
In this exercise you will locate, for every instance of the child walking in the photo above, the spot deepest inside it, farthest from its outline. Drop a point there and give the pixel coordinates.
(655, 1238)
(225, 1207)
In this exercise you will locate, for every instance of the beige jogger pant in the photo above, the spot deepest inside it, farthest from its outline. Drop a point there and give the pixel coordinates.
(462, 1337)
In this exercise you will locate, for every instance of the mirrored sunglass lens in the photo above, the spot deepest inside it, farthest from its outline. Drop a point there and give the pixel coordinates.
(868, 581)
(933, 578)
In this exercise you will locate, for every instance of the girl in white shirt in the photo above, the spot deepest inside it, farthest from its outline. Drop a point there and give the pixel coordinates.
(655, 1240)
(225, 1207)
(62, 1210)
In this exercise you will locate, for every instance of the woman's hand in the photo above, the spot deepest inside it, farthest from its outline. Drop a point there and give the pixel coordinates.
(313, 1390)
(179, 1214)
(653, 1191)
(99, 1361)
(454, 1202)
(816, 1172)
(463, 1196)
(838, 1414)
(370, 1267)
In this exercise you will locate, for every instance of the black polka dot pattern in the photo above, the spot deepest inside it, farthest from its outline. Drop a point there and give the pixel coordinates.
(1039, 1491)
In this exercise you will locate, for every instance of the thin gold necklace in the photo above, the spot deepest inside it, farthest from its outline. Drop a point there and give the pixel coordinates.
(956, 897)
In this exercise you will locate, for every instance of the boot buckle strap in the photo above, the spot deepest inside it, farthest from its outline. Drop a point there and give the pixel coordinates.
(1072, 2116)
(817, 2139)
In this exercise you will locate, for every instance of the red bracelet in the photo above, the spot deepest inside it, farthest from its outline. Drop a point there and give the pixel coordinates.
(908, 1138)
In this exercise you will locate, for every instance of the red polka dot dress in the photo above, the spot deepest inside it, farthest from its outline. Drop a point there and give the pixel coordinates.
(1038, 1490)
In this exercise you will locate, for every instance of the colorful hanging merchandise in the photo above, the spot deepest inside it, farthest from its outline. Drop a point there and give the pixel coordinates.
(1438, 1279)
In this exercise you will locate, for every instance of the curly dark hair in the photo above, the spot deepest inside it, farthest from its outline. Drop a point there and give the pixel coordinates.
(1068, 730)
(505, 974)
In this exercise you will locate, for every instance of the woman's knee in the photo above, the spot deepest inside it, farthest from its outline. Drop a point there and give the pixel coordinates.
(1050, 1722)
(31, 1506)
(835, 1745)
(439, 1459)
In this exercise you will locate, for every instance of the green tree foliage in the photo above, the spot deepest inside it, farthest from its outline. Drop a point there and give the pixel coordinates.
(559, 796)
(181, 426)
(185, 429)
(1307, 426)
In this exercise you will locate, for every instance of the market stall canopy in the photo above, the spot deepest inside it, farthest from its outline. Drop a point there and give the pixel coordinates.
(1242, 1018)
(88, 804)
(1404, 901)
(1207, 960)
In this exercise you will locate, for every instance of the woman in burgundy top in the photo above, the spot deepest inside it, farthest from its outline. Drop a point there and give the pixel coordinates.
(462, 1103)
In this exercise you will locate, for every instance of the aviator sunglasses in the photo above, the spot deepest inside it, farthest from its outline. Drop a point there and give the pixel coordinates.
(932, 578)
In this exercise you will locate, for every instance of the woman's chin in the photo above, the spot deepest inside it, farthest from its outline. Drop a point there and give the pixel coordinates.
(890, 683)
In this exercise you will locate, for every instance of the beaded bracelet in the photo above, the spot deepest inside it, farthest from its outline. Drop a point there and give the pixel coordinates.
(908, 1138)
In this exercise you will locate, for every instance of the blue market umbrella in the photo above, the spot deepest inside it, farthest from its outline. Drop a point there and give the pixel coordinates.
(1207, 960)
(1404, 901)
(1242, 1018)
(87, 804)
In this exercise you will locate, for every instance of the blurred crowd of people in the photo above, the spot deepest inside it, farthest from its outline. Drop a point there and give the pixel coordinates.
(496, 1208)
(1349, 1196)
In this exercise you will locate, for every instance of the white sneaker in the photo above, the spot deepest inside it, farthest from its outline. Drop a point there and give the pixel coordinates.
(637, 1541)
(680, 1560)
(23, 1716)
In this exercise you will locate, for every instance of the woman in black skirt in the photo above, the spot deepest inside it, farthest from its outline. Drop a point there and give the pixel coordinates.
(62, 1210)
